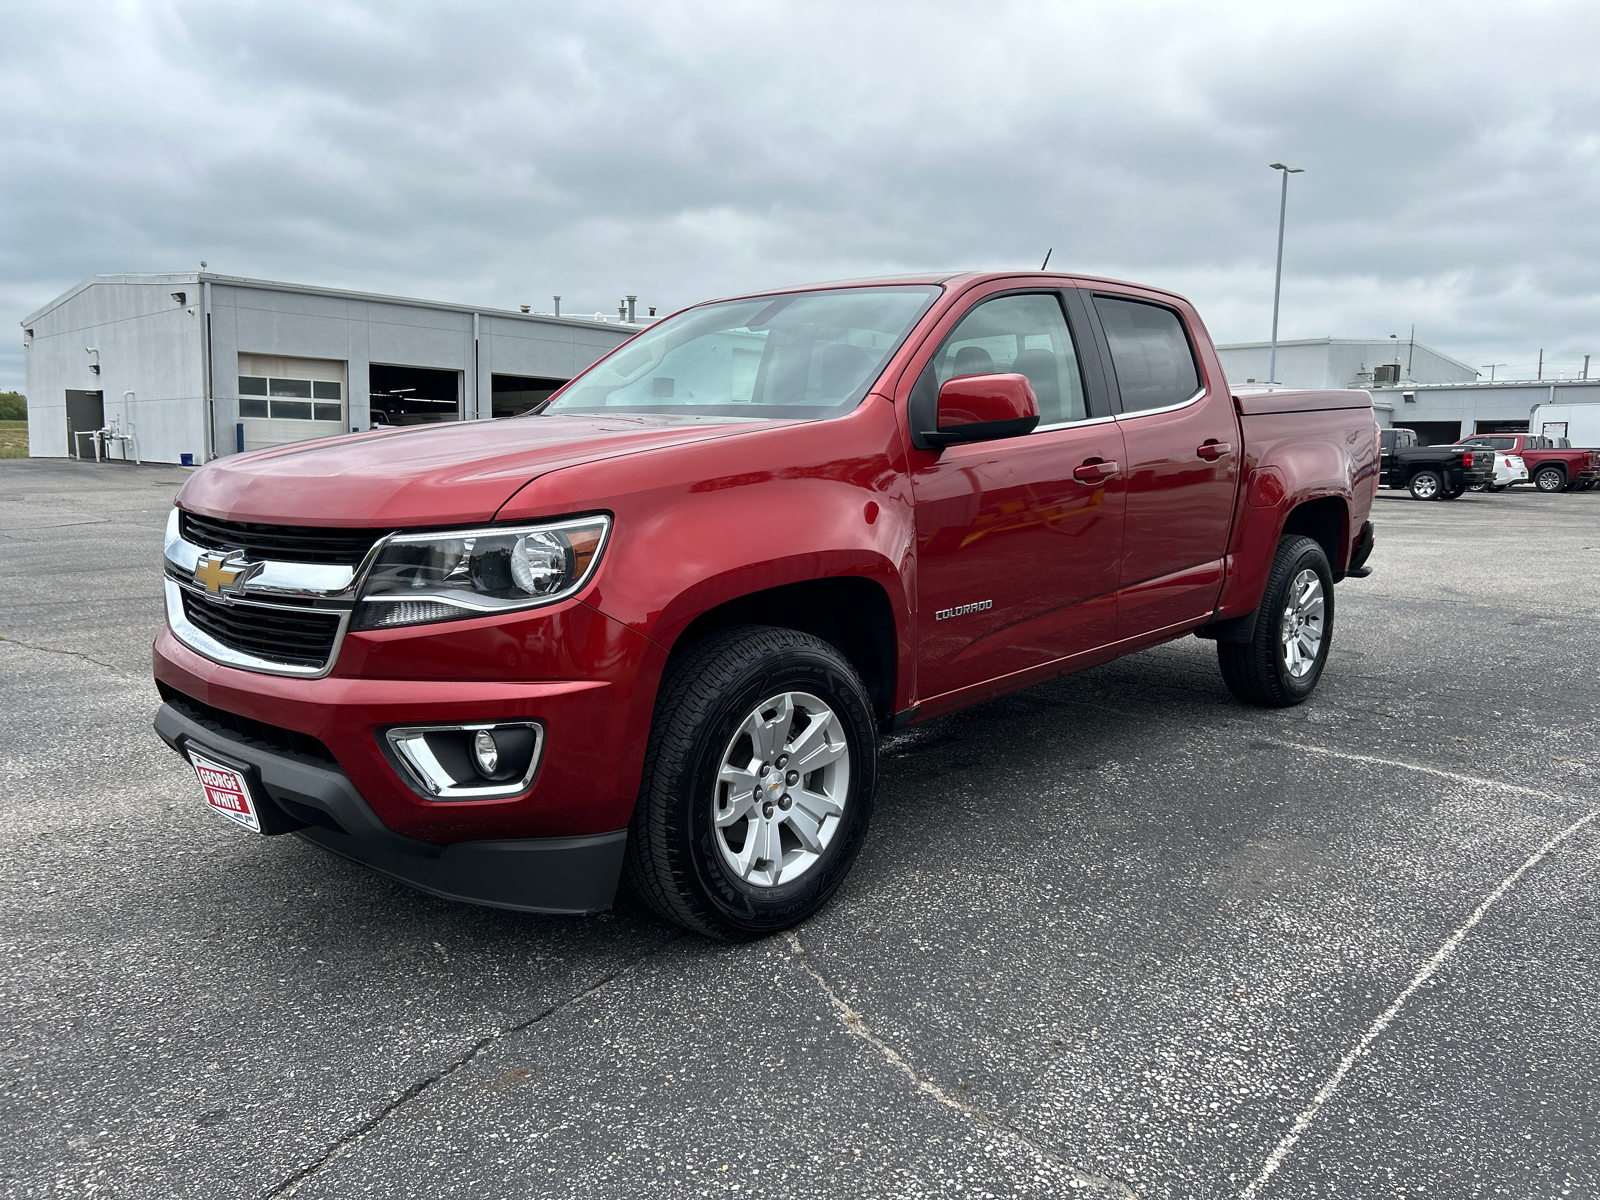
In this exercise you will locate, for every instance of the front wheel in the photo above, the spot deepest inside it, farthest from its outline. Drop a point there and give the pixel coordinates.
(1549, 479)
(758, 783)
(1283, 660)
(1426, 485)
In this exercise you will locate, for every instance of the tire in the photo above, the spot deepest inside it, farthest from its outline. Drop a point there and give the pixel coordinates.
(1260, 671)
(1550, 479)
(1481, 487)
(1426, 485)
(1453, 493)
(718, 714)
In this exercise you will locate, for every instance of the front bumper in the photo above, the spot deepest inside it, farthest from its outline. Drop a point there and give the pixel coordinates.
(317, 800)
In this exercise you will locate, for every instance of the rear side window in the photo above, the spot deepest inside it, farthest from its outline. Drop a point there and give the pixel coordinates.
(1151, 354)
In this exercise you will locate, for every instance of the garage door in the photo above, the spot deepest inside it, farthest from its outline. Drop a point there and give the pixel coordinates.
(290, 399)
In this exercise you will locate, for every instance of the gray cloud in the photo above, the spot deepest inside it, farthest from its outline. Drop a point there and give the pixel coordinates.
(498, 153)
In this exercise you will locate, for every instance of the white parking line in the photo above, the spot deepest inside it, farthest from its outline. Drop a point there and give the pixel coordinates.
(1275, 1159)
(1426, 770)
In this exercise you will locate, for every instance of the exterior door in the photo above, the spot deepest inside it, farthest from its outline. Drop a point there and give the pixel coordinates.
(1182, 448)
(1018, 539)
(85, 411)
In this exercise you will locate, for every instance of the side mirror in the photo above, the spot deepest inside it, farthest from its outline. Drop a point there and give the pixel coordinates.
(980, 408)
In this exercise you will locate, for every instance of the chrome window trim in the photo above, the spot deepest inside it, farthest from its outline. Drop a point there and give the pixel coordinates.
(1150, 412)
(1071, 424)
(428, 777)
(203, 644)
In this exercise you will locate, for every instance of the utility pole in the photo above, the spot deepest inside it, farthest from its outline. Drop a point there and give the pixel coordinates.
(1277, 282)
(1411, 352)
(1541, 362)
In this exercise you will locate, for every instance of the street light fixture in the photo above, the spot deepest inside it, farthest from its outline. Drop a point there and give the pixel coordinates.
(1277, 283)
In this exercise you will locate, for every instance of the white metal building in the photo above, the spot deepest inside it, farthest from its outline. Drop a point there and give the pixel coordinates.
(1442, 413)
(1331, 362)
(1412, 385)
(200, 364)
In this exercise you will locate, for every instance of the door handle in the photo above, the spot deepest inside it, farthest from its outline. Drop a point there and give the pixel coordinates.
(1213, 450)
(1095, 470)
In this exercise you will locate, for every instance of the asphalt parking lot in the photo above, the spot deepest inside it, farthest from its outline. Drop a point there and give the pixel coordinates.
(1116, 935)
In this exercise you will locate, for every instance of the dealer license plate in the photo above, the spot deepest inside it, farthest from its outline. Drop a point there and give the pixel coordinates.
(226, 791)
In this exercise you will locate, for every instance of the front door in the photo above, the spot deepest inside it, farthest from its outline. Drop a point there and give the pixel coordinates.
(1183, 453)
(1018, 540)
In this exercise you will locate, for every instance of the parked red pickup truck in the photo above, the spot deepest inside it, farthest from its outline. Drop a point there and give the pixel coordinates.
(658, 627)
(1550, 468)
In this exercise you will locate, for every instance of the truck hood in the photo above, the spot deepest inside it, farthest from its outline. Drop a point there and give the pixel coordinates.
(426, 474)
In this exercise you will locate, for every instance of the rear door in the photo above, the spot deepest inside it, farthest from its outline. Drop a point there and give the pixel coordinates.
(1181, 438)
(1019, 539)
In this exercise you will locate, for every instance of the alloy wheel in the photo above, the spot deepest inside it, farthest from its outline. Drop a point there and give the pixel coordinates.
(1304, 621)
(781, 789)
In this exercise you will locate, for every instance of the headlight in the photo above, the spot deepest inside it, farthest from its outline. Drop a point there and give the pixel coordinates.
(421, 577)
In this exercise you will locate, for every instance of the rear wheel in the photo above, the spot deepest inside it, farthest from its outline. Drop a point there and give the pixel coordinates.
(1453, 493)
(1283, 660)
(1549, 479)
(758, 783)
(1426, 485)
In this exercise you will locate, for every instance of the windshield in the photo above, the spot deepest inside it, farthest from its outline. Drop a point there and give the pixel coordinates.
(803, 355)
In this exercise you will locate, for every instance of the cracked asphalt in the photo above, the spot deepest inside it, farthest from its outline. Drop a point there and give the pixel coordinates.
(1111, 936)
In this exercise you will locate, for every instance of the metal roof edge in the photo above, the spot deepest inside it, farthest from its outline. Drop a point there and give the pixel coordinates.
(316, 290)
(1338, 341)
(311, 289)
(1494, 384)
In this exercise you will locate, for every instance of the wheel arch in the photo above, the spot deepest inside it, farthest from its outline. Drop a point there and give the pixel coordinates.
(1325, 520)
(852, 613)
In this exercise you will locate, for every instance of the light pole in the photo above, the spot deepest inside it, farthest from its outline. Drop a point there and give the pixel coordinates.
(1277, 282)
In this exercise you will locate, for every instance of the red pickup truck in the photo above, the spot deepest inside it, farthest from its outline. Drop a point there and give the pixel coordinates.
(1550, 467)
(657, 627)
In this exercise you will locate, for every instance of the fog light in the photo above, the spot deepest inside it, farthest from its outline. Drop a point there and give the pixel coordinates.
(468, 762)
(486, 752)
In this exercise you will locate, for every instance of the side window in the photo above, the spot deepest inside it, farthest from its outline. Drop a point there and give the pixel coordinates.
(1025, 334)
(1150, 352)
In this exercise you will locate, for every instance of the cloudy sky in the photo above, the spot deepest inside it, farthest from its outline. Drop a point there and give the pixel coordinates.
(499, 153)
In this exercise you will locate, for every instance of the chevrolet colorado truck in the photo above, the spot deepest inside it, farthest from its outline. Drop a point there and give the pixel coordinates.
(1551, 467)
(656, 628)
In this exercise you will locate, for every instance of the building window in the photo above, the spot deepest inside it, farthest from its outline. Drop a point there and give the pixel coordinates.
(290, 399)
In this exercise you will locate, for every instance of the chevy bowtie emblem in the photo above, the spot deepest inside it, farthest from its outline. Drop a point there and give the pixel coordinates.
(224, 574)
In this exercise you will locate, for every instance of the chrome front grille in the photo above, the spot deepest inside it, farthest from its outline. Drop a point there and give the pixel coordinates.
(278, 634)
(270, 598)
(279, 543)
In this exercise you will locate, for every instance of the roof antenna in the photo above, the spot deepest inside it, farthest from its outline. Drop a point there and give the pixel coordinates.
(1047, 255)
